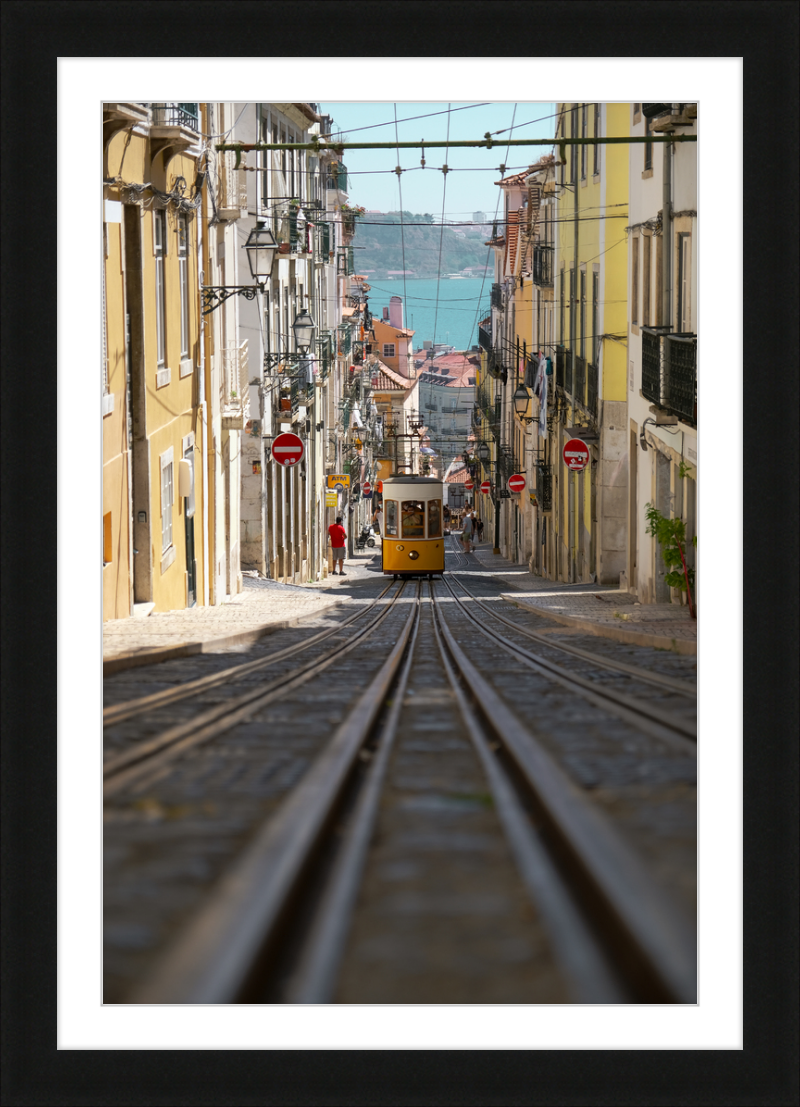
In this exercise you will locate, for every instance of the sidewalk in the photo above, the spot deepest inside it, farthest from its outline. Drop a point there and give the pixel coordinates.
(262, 607)
(595, 608)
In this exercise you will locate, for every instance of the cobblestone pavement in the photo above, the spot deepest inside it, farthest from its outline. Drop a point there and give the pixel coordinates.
(598, 609)
(262, 606)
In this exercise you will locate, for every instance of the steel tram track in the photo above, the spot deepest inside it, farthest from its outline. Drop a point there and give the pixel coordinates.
(143, 757)
(129, 709)
(658, 680)
(617, 934)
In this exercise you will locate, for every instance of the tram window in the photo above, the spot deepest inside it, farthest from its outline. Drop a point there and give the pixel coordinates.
(390, 512)
(434, 518)
(413, 519)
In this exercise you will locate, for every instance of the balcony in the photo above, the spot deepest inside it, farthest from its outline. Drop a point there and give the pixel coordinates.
(497, 296)
(669, 371)
(484, 338)
(543, 266)
(336, 178)
(235, 386)
(579, 392)
(592, 382)
(544, 485)
(561, 362)
(176, 125)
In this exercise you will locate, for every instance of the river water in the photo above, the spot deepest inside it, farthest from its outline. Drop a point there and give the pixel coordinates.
(461, 304)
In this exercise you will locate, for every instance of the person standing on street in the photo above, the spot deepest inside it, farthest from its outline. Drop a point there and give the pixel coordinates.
(377, 519)
(338, 537)
(479, 525)
(466, 533)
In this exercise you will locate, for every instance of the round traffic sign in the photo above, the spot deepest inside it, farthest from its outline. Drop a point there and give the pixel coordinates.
(486, 487)
(576, 455)
(287, 449)
(366, 488)
(516, 483)
(469, 485)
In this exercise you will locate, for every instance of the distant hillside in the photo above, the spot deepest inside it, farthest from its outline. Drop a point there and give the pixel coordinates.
(380, 247)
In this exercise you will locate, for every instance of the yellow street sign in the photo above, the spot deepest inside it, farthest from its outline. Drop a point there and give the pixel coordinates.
(330, 499)
(338, 478)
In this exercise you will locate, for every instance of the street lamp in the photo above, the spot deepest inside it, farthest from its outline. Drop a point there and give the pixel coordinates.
(260, 248)
(303, 329)
(521, 401)
(483, 452)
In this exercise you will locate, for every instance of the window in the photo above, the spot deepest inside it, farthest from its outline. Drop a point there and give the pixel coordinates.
(635, 280)
(647, 245)
(413, 515)
(573, 150)
(388, 349)
(684, 282)
(267, 343)
(583, 314)
(596, 167)
(659, 279)
(183, 266)
(159, 247)
(167, 498)
(390, 510)
(434, 518)
(584, 134)
(107, 545)
(561, 307)
(595, 345)
(648, 148)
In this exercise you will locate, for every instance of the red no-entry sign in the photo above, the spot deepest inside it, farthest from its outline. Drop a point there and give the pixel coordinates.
(287, 449)
(516, 483)
(576, 455)
(469, 485)
(486, 487)
(366, 488)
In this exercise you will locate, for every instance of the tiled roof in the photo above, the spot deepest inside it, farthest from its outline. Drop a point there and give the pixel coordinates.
(385, 379)
(458, 476)
(516, 179)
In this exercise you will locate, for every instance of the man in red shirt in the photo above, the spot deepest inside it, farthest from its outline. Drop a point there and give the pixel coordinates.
(338, 538)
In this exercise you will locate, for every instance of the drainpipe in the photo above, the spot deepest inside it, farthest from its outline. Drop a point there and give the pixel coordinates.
(666, 235)
(206, 346)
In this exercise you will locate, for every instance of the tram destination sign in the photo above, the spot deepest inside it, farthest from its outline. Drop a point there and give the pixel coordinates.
(288, 449)
(576, 455)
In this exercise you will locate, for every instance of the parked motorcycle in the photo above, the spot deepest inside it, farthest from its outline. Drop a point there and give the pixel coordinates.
(366, 538)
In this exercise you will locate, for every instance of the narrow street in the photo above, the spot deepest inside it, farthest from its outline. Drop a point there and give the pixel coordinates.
(489, 820)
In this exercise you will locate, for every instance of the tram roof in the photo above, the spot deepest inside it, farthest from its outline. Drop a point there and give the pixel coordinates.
(410, 478)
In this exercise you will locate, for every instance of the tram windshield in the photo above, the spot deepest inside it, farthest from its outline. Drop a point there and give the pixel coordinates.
(434, 518)
(413, 519)
(390, 513)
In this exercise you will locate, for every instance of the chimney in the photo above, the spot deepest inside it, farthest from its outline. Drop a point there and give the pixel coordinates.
(386, 315)
(396, 312)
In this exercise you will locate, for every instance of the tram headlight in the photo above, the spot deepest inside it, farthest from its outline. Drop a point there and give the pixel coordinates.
(400, 548)
(414, 554)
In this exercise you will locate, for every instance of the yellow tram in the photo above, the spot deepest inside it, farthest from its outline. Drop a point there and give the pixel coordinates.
(413, 526)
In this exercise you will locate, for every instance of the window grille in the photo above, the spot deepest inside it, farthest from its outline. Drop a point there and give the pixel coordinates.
(183, 265)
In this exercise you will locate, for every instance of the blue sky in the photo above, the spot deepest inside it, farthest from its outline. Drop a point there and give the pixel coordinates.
(470, 187)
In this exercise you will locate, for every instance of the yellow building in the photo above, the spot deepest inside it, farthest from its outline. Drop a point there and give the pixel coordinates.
(587, 539)
(153, 438)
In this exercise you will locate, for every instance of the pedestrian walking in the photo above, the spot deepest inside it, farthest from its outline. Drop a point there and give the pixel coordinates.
(338, 537)
(377, 519)
(466, 533)
(479, 525)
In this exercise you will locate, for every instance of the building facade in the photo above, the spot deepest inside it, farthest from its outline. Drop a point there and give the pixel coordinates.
(662, 341)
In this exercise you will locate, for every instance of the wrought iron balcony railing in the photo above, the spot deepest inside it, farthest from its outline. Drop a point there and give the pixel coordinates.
(669, 371)
(543, 266)
(561, 361)
(497, 296)
(484, 338)
(544, 485)
(579, 386)
(591, 392)
(176, 115)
